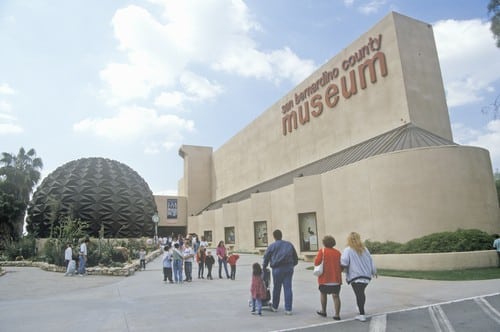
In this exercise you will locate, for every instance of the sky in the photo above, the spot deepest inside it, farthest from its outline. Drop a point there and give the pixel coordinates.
(132, 81)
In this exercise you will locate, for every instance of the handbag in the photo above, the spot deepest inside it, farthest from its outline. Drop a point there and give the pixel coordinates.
(318, 269)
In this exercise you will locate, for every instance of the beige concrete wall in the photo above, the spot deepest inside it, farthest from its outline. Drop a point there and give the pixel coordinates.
(411, 91)
(198, 175)
(423, 83)
(437, 261)
(161, 205)
(407, 194)
(392, 197)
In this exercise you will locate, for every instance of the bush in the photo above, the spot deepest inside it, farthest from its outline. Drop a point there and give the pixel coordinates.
(460, 240)
(119, 254)
(54, 252)
(388, 247)
(23, 248)
(111, 252)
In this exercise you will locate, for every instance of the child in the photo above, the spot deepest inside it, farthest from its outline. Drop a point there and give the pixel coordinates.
(167, 264)
(209, 262)
(68, 254)
(257, 289)
(71, 270)
(188, 261)
(200, 258)
(232, 263)
(142, 259)
(177, 263)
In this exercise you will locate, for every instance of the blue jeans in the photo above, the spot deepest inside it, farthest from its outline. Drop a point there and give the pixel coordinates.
(282, 276)
(257, 303)
(188, 270)
(81, 264)
(177, 267)
(223, 262)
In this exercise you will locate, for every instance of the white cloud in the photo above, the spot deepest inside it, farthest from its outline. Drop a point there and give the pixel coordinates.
(10, 128)
(488, 138)
(133, 124)
(7, 120)
(469, 59)
(172, 99)
(5, 89)
(463, 134)
(160, 52)
(289, 66)
(199, 88)
(371, 6)
(196, 89)
(5, 106)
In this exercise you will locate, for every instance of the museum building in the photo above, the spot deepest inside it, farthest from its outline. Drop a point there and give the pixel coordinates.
(363, 144)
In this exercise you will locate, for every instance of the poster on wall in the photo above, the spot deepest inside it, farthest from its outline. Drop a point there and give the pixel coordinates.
(171, 208)
(260, 233)
(229, 235)
(308, 232)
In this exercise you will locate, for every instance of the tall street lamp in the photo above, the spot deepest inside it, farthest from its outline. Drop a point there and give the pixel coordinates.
(156, 219)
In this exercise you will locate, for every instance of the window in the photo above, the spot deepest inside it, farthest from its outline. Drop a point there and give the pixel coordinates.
(229, 236)
(207, 235)
(260, 233)
(308, 231)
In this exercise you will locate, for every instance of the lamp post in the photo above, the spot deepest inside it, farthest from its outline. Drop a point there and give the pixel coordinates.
(156, 219)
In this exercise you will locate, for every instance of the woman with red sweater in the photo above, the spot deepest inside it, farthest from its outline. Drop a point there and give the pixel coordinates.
(331, 279)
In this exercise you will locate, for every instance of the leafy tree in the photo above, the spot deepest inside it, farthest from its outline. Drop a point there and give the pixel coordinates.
(494, 11)
(18, 176)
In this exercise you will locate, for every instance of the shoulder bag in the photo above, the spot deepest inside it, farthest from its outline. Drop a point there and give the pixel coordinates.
(318, 269)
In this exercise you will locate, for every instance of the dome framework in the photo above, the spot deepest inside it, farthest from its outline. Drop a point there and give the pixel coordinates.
(105, 193)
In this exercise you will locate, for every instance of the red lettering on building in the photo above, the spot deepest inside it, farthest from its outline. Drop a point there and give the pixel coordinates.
(311, 101)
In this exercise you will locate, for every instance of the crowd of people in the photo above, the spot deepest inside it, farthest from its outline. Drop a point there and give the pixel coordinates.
(355, 261)
(180, 254)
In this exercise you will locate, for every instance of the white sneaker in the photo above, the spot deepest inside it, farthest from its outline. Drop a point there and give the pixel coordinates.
(288, 313)
(274, 309)
(361, 318)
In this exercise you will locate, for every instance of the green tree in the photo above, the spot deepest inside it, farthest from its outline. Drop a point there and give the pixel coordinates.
(19, 175)
(494, 12)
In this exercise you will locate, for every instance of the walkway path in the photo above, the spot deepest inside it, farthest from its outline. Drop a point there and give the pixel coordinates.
(36, 300)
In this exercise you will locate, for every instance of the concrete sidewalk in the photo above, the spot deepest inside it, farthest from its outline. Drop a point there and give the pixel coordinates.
(36, 300)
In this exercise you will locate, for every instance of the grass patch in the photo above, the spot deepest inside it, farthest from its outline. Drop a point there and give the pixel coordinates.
(453, 275)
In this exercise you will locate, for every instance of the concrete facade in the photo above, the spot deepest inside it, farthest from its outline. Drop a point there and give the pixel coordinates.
(172, 219)
(364, 144)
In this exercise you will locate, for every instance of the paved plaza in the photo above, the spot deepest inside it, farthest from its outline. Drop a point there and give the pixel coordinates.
(35, 300)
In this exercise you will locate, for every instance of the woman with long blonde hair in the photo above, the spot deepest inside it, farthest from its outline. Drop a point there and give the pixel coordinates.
(359, 267)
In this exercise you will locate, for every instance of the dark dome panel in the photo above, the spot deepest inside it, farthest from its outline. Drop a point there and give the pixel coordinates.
(96, 190)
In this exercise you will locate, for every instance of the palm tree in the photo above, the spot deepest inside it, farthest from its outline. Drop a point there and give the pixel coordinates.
(20, 173)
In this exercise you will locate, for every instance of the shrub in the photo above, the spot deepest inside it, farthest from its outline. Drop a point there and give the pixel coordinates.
(54, 252)
(23, 248)
(460, 240)
(388, 247)
(119, 254)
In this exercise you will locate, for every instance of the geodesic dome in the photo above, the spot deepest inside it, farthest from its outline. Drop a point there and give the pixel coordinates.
(103, 192)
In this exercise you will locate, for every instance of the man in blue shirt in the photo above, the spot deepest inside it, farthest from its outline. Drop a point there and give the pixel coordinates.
(282, 258)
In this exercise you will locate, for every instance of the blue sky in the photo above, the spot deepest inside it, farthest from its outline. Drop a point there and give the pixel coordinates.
(134, 80)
